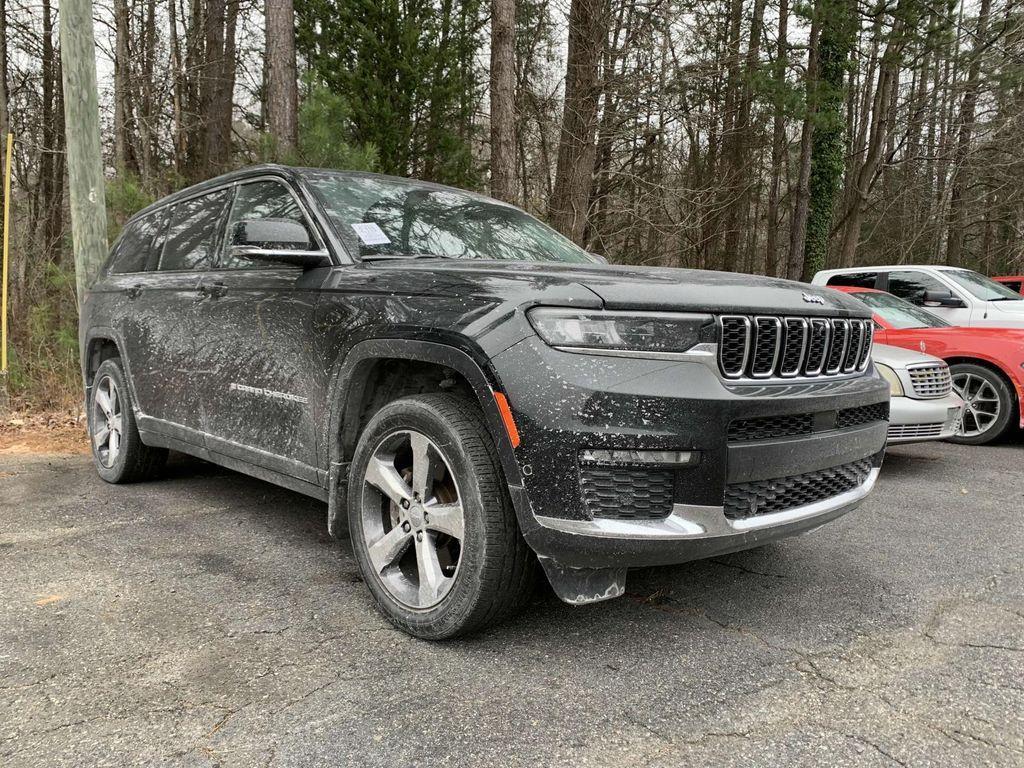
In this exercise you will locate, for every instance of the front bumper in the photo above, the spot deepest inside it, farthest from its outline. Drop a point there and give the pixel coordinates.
(566, 404)
(913, 421)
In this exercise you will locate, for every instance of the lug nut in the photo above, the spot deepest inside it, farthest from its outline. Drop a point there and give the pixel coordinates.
(405, 503)
(419, 535)
(406, 527)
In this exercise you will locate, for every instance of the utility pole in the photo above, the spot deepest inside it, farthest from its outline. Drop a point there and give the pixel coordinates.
(82, 128)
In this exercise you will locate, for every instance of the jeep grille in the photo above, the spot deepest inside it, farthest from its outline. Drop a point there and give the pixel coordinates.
(766, 347)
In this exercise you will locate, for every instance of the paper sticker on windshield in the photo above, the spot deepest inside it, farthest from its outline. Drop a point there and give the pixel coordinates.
(370, 233)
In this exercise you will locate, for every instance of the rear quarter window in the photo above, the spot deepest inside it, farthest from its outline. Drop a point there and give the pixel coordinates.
(855, 279)
(193, 232)
(134, 251)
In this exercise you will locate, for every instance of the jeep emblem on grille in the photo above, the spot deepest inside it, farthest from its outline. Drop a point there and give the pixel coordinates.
(810, 298)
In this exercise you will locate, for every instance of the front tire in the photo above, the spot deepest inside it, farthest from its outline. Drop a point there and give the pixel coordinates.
(118, 452)
(989, 404)
(432, 526)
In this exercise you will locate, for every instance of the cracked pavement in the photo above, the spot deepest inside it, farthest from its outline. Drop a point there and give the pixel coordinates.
(208, 620)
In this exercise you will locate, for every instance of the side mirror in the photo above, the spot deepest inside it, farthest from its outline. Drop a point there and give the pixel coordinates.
(597, 257)
(942, 299)
(276, 240)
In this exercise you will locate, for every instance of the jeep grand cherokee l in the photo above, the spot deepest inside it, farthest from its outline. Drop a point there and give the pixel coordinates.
(470, 392)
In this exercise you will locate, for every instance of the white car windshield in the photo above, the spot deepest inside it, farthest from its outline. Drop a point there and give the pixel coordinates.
(898, 313)
(981, 287)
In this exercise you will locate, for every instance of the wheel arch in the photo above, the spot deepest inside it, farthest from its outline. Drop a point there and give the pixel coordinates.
(350, 394)
(102, 344)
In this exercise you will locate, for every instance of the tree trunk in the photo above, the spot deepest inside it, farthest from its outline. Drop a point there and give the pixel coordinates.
(148, 116)
(957, 219)
(219, 82)
(881, 116)
(739, 179)
(503, 99)
(122, 88)
(827, 156)
(772, 255)
(48, 151)
(177, 92)
(802, 198)
(282, 76)
(588, 32)
(85, 163)
(5, 125)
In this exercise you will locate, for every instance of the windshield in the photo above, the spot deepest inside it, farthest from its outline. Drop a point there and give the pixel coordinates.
(981, 287)
(379, 217)
(899, 313)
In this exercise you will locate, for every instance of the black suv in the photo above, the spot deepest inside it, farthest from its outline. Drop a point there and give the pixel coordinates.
(471, 392)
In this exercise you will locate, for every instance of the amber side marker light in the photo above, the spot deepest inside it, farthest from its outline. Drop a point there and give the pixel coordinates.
(506, 417)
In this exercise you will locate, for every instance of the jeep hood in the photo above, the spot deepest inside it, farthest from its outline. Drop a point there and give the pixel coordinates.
(651, 288)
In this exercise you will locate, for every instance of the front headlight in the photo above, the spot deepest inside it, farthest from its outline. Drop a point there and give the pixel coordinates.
(650, 332)
(895, 385)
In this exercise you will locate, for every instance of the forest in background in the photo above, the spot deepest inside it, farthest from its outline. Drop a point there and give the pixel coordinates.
(775, 137)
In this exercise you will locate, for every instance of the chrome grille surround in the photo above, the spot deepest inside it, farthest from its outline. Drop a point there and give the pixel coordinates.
(734, 345)
(930, 381)
(794, 352)
(769, 347)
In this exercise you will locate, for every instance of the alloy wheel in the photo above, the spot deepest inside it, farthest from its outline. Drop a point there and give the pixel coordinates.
(412, 519)
(982, 406)
(107, 422)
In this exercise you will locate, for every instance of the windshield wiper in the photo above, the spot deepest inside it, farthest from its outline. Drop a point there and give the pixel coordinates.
(402, 256)
(1005, 298)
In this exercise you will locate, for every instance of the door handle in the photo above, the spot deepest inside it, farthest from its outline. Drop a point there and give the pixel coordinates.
(212, 290)
(133, 291)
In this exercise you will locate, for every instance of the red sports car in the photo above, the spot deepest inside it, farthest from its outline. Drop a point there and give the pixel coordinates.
(987, 364)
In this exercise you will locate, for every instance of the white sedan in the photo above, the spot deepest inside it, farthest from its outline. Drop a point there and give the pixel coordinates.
(923, 405)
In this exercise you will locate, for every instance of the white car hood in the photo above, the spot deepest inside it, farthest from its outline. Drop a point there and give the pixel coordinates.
(1015, 308)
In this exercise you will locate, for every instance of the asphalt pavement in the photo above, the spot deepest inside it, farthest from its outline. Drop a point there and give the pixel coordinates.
(208, 620)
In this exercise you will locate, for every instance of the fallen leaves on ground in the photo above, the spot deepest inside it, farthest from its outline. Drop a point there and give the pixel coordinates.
(58, 432)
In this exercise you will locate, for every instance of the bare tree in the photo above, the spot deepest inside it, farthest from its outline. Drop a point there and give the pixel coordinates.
(282, 77)
(965, 129)
(772, 255)
(4, 118)
(503, 100)
(588, 34)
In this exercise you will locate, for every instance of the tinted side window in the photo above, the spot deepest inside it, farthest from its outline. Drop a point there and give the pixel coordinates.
(911, 285)
(193, 232)
(134, 250)
(856, 279)
(260, 200)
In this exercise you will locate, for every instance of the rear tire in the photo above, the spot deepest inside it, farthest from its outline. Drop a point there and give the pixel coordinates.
(989, 404)
(117, 449)
(431, 523)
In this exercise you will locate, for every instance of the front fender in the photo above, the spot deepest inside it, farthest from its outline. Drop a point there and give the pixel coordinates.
(347, 387)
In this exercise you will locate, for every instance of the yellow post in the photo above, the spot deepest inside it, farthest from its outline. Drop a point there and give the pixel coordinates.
(7, 239)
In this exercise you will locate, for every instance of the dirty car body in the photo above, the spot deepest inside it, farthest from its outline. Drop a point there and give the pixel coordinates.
(716, 412)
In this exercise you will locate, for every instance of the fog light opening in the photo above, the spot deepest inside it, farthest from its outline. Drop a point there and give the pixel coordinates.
(643, 458)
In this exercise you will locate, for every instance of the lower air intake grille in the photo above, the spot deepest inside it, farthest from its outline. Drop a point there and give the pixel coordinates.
(914, 431)
(627, 493)
(764, 497)
(865, 414)
(768, 427)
